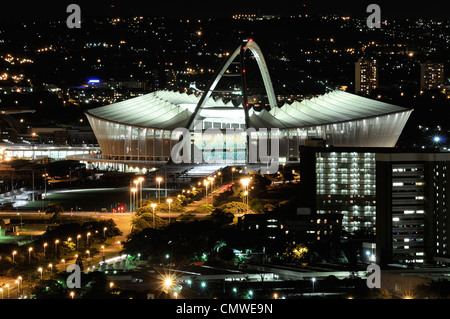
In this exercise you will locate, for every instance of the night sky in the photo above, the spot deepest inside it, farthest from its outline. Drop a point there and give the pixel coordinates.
(56, 10)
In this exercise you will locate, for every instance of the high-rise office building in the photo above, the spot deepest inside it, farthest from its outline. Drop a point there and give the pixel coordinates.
(412, 200)
(431, 75)
(401, 197)
(342, 181)
(366, 76)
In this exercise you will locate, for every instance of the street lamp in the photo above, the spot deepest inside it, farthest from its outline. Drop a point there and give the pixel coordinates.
(45, 183)
(245, 196)
(51, 269)
(232, 174)
(56, 247)
(159, 180)
(29, 254)
(168, 283)
(211, 179)
(72, 294)
(133, 201)
(14, 253)
(153, 205)
(136, 182)
(245, 182)
(313, 281)
(78, 238)
(104, 231)
(45, 245)
(206, 189)
(40, 270)
(87, 238)
(169, 201)
(140, 179)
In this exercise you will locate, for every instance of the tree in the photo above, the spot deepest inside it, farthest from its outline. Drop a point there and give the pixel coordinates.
(147, 220)
(220, 217)
(295, 253)
(186, 217)
(50, 289)
(54, 208)
(234, 208)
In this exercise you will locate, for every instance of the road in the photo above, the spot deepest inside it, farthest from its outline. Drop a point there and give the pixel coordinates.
(123, 222)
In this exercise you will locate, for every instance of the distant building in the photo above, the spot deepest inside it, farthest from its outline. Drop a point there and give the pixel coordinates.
(431, 75)
(366, 76)
(303, 226)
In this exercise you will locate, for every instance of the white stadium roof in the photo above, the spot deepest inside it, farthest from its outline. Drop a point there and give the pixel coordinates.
(169, 110)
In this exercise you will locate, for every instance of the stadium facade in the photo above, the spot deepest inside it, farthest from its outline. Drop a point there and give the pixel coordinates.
(145, 128)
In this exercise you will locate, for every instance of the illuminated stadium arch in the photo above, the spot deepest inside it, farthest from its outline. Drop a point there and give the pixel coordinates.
(240, 50)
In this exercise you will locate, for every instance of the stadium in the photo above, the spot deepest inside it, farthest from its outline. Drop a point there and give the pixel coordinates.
(146, 128)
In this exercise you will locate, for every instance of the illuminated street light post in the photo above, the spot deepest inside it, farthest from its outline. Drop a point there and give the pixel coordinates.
(313, 282)
(87, 238)
(40, 270)
(206, 189)
(211, 179)
(13, 254)
(131, 203)
(18, 288)
(245, 196)
(245, 182)
(29, 254)
(133, 200)
(136, 192)
(56, 247)
(159, 180)
(140, 179)
(78, 238)
(20, 282)
(45, 182)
